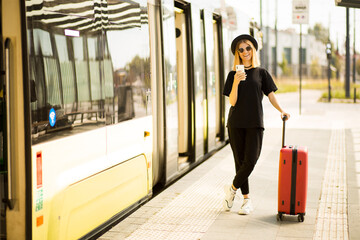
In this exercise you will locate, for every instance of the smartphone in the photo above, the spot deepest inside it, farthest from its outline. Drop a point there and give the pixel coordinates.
(239, 68)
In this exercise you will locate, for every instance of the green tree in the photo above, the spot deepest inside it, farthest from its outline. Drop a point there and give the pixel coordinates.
(139, 67)
(358, 66)
(286, 70)
(320, 32)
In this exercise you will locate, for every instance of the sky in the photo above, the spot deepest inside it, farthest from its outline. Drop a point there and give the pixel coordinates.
(320, 11)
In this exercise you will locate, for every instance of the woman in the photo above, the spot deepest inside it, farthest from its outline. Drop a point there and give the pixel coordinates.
(245, 90)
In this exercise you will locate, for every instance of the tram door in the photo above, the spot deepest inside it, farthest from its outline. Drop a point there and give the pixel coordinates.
(210, 82)
(199, 82)
(183, 89)
(4, 138)
(14, 216)
(214, 110)
(3, 169)
(219, 80)
(170, 85)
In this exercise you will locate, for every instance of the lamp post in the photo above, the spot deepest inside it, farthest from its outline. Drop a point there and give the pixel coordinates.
(328, 54)
(347, 61)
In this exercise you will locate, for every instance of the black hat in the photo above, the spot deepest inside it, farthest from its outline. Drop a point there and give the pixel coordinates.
(241, 37)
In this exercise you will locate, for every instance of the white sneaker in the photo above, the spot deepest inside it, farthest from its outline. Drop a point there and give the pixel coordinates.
(246, 207)
(229, 197)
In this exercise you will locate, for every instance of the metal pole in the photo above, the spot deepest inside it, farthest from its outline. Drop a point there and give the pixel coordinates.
(328, 45)
(354, 55)
(261, 29)
(347, 67)
(276, 38)
(261, 20)
(267, 45)
(354, 94)
(329, 77)
(300, 68)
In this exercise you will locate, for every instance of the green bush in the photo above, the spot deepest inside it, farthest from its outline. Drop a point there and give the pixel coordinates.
(315, 68)
(340, 94)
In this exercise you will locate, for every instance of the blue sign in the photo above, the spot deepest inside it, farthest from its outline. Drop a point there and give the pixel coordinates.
(52, 117)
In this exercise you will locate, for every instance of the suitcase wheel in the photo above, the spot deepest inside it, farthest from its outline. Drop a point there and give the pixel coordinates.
(301, 217)
(279, 217)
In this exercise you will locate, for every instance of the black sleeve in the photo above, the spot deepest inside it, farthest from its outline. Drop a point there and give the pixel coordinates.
(268, 84)
(228, 83)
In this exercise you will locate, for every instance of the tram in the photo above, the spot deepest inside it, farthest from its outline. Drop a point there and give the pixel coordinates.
(101, 101)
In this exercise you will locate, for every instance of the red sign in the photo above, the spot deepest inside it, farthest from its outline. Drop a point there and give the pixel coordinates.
(38, 169)
(39, 221)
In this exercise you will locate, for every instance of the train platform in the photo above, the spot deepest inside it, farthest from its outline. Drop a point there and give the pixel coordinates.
(191, 208)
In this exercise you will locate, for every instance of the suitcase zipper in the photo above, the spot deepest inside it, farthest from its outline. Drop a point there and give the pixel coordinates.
(293, 181)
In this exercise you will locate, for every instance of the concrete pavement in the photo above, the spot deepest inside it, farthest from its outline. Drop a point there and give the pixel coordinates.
(191, 208)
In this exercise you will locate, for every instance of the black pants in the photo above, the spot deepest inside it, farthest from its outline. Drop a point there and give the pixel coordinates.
(246, 145)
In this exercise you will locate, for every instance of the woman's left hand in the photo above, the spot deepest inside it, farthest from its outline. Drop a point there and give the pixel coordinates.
(284, 114)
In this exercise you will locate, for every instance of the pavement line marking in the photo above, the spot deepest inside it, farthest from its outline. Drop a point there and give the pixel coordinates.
(332, 219)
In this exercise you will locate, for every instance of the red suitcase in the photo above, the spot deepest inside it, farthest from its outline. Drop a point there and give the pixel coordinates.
(293, 175)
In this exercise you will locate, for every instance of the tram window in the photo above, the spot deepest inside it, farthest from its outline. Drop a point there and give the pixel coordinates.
(61, 69)
(129, 60)
(102, 71)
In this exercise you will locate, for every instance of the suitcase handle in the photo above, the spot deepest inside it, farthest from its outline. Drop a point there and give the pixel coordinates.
(283, 131)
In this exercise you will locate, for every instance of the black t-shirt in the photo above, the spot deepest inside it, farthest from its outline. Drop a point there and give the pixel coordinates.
(248, 110)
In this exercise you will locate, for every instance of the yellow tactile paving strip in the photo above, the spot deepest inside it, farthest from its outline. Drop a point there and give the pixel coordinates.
(332, 221)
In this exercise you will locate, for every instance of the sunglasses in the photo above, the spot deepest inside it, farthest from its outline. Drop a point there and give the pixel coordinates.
(248, 48)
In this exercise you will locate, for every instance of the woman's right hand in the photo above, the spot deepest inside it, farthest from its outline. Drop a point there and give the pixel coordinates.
(239, 76)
